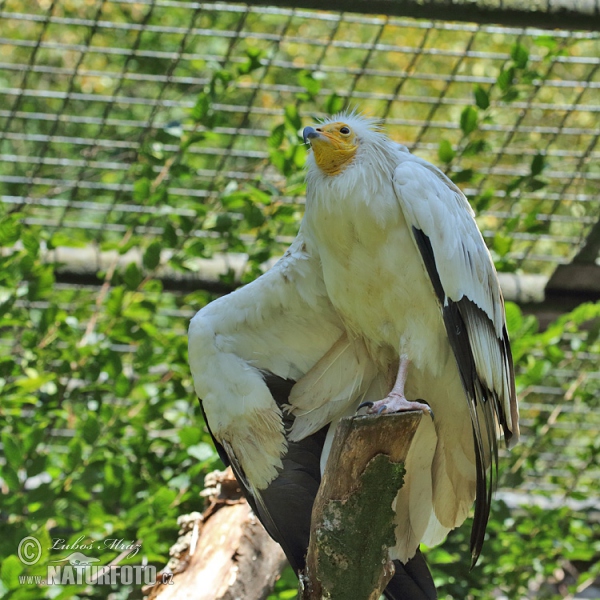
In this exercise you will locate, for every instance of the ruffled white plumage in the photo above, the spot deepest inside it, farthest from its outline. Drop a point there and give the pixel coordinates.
(334, 314)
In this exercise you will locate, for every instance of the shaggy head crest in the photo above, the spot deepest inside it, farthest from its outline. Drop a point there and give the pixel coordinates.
(336, 141)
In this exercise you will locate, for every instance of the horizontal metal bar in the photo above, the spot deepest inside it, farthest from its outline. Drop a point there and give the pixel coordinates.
(111, 143)
(364, 19)
(467, 100)
(148, 230)
(560, 14)
(120, 166)
(141, 229)
(66, 184)
(117, 26)
(109, 206)
(284, 64)
(546, 217)
(244, 176)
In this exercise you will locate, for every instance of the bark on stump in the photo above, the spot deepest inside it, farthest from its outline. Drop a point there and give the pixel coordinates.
(222, 554)
(352, 520)
(226, 554)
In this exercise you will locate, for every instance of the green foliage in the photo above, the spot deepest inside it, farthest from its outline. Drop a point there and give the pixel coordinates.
(532, 551)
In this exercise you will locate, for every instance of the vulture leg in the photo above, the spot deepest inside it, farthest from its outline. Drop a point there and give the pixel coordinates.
(396, 401)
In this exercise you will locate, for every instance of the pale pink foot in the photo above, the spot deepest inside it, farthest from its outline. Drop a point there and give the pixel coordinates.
(394, 403)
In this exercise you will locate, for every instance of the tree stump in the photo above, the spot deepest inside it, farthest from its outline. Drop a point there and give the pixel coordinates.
(352, 520)
(223, 553)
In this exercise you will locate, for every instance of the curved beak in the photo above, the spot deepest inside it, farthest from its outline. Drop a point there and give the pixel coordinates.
(309, 133)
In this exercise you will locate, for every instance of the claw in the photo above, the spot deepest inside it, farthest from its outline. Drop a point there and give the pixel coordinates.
(382, 409)
(366, 404)
(428, 407)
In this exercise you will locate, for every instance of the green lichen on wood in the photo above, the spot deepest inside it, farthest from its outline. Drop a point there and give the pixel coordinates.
(357, 531)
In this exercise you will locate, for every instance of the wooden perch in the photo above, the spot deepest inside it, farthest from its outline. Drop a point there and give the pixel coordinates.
(352, 519)
(223, 553)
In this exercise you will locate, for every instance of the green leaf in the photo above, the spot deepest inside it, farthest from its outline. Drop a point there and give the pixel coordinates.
(538, 164)
(12, 567)
(484, 199)
(122, 384)
(144, 353)
(202, 451)
(31, 242)
(519, 55)
(196, 248)
(277, 136)
(511, 95)
(309, 83)
(223, 223)
(546, 41)
(169, 236)
(151, 258)
(189, 436)
(514, 184)
(10, 477)
(536, 184)
(502, 244)
(253, 62)
(254, 215)
(292, 117)
(334, 104)
(445, 151)
(141, 190)
(463, 176)
(506, 78)
(514, 318)
(132, 276)
(468, 120)
(201, 108)
(42, 284)
(12, 452)
(10, 230)
(162, 500)
(475, 147)
(91, 429)
(482, 98)
(114, 304)
(59, 238)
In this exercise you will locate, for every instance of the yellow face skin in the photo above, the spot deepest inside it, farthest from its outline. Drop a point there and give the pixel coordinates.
(335, 147)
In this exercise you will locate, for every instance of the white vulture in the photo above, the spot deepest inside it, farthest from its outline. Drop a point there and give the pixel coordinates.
(387, 294)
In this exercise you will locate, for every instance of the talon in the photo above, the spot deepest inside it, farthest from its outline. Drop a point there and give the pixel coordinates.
(367, 404)
(421, 401)
(381, 409)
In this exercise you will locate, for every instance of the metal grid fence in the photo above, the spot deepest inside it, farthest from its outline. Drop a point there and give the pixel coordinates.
(86, 88)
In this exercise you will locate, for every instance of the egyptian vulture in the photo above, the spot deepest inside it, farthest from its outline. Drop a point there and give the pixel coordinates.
(387, 299)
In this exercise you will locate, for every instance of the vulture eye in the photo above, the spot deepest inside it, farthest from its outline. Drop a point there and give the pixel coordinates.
(345, 130)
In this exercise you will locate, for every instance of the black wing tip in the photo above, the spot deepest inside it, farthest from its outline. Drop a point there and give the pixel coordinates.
(411, 581)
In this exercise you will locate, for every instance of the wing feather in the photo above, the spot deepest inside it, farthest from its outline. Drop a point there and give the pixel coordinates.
(465, 282)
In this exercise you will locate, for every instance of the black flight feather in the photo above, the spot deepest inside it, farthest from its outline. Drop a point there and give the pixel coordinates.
(285, 506)
(456, 315)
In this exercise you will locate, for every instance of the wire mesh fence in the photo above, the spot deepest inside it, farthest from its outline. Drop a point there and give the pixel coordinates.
(95, 105)
(87, 87)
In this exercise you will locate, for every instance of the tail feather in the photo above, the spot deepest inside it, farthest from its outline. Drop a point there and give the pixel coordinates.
(414, 502)
(411, 581)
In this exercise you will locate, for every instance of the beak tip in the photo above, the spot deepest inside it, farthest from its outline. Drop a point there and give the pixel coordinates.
(308, 133)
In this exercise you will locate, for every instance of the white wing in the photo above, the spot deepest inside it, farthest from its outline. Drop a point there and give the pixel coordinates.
(281, 324)
(465, 282)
